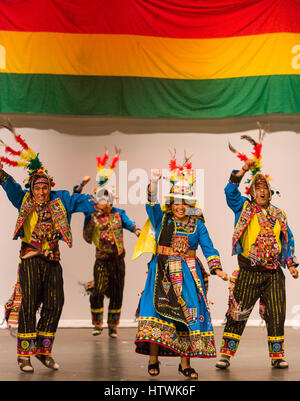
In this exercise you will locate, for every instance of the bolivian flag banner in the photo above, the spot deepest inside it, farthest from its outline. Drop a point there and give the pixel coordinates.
(150, 58)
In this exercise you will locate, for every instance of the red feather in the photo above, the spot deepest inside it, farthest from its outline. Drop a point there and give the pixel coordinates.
(188, 166)
(242, 157)
(8, 149)
(114, 161)
(172, 165)
(104, 159)
(21, 142)
(257, 150)
(98, 160)
(9, 162)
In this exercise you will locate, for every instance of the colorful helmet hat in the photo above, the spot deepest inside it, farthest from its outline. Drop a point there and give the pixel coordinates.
(105, 191)
(256, 172)
(182, 182)
(27, 158)
(181, 179)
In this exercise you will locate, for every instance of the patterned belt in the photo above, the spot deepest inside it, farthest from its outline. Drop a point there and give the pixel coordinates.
(28, 251)
(167, 250)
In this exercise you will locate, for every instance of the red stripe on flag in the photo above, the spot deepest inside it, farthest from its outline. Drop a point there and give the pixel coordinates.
(164, 18)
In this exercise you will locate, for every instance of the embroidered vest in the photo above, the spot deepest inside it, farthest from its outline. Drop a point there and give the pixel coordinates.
(45, 229)
(58, 214)
(248, 213)
(109, 227)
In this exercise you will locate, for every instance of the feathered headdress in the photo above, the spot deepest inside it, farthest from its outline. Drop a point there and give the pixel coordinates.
(28, 159)
(181, 178)
(256, 157)
(103, 173)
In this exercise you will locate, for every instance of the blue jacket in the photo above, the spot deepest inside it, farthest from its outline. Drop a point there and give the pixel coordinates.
(236, 203)
(71, 204)
(126, 222)
(199, 237)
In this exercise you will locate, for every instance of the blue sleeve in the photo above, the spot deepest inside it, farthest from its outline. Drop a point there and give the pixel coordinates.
(79, 203)
(126, 222)
(14, 191)
(155, 214)
(205, 241)
(291, 242)
(288, 257)
(76, 189)
(209, 251)
(234, 198)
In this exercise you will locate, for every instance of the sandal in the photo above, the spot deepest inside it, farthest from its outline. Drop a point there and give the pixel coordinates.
(279, 364)
(48, 361)
(223, 363)
(187, 372)
(25, 364)
(152, 367)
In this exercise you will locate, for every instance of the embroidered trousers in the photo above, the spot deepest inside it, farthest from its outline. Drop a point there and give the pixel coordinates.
(42, 287)
(109, 277)
(250, 286)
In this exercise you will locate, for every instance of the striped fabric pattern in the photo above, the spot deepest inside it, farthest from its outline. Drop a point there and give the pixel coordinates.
(42, 285)
(150, 58)
(269, 288)
(109, 278)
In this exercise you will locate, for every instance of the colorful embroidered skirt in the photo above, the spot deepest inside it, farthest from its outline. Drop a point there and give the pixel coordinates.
(195, 339)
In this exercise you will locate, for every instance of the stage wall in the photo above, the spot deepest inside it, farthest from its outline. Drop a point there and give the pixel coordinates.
(69, 157)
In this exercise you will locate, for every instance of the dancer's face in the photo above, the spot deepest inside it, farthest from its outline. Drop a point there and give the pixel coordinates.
(179, 210)
(262, 194)
(104, 207)
(41, 193)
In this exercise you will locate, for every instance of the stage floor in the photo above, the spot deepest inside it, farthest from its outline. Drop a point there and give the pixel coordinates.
(83, 357)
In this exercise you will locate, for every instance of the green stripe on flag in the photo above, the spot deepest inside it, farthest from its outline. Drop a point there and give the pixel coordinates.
(149, 97)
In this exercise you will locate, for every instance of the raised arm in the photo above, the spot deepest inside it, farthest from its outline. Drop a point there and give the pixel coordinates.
(77, 189)
(82, 203)
(13, 190)
(234, 198)
(153, 208)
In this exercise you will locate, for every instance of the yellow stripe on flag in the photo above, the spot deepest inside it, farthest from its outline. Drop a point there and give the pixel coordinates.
(147, 56)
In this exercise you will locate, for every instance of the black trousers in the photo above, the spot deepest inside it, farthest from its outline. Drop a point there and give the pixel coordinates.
(109, 278)
(251, 286)
(42, 288)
